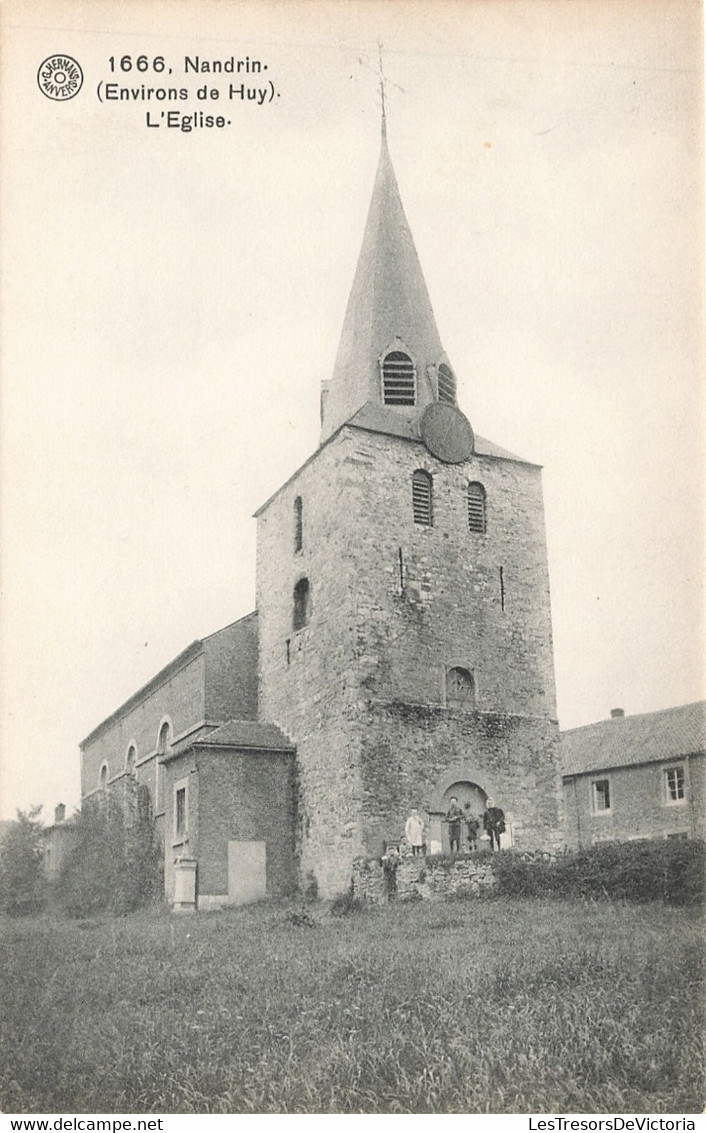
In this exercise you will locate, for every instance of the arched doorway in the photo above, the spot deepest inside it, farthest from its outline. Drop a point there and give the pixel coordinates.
(471, 799)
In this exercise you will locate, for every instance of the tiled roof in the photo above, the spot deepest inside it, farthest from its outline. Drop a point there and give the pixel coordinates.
(628, 740)
(382, 419)
(248, 734)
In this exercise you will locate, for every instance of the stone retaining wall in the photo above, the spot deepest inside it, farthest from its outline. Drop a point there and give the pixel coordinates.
(433, 878)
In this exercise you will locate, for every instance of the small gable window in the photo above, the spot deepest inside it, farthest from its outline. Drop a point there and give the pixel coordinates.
(447, 384)
(460, 688)
(302, 604)
(298, 527)
(476, 508)
(103, 777)
(422, 502)
(399, 384)
(130, 761)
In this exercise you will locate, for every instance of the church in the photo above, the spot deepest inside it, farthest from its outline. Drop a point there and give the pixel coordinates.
(400, 652)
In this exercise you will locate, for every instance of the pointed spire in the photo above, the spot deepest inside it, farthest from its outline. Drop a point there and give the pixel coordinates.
(388, 309)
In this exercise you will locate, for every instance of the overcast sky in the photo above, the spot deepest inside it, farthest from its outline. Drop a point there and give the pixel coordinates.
(171, 302)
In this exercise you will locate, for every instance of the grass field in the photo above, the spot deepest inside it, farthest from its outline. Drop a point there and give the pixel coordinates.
(488, 1006)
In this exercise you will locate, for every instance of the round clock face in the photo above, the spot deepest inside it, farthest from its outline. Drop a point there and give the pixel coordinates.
(446, 432)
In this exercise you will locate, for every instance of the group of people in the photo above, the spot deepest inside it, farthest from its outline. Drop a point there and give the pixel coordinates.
(493, 823)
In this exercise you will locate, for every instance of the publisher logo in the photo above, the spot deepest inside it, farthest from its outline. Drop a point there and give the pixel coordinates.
(60, 77)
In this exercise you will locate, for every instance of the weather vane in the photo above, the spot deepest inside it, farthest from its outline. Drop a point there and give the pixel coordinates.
(383, 83)
(382, 90)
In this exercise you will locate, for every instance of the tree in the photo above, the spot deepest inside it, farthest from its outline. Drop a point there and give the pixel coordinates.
(115, 865)
(22, 885)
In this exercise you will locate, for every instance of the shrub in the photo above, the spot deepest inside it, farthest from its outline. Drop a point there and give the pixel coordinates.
(343, 904)
(671, 870)
(115, 865)
(300, 918)
(22, 886)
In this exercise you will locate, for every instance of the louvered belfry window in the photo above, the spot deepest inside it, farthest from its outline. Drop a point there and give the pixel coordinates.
(399, 385)
(422, 498)
(447, 384)
(476, 508)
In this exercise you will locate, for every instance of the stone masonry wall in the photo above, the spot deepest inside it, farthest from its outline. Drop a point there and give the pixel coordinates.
(428, 598)
(306, 682)
(639, 807)
(410, 749)
(432, 878)
(361, 688)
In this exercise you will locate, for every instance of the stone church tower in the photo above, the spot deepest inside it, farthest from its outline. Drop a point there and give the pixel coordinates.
(402, 591)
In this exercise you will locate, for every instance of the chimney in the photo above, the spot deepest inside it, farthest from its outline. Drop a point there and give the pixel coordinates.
(59, 813)
(617, 713)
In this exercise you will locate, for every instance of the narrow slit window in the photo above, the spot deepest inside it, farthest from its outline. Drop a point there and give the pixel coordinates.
(399, 383)
(298, 524)
(476, 508)
(302, 604)
(447, 384)
(180, 812)
(422, 503)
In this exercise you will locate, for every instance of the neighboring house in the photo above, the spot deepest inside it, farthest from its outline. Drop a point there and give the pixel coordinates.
(401, 652)
(633, 777)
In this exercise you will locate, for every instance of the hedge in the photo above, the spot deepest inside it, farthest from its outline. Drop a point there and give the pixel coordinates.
(670, 870)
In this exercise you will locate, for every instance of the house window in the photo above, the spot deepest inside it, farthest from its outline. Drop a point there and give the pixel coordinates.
(298, 530)
(103, 777)
(600, 796)
(674, 785)
(130, 761)
(447, 384)
(180, 818)
(460, 688)
(302, 604)
(476, 508)
(399, 384)
(422, 498)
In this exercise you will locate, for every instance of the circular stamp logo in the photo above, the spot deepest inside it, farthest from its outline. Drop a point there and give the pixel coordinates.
(60, 77)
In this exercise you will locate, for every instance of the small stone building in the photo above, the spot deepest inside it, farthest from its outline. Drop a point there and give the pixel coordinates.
(401, 651)
(633, 777)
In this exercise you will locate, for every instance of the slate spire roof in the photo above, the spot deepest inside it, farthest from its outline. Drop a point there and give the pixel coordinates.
(389, 304)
